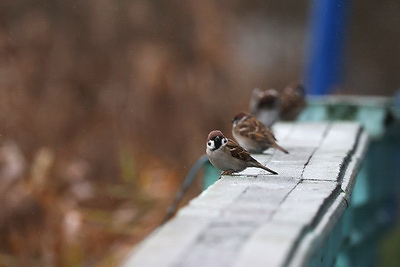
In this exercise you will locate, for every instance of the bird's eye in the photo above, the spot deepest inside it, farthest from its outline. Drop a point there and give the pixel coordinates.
(224, 140)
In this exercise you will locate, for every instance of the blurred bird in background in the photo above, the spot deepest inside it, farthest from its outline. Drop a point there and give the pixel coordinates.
(269, 107)
(292, 102)
(265, 105)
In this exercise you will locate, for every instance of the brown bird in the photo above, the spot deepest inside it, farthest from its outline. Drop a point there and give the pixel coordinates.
(292, 102)
(265, 105)
(252, 134)
(226, 155)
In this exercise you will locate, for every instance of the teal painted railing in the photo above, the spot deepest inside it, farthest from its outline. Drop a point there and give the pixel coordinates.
(356, 238)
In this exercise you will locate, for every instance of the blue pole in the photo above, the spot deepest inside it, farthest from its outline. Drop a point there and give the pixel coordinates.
(325, 59)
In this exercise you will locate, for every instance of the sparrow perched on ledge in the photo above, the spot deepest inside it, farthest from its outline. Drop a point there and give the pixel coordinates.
(265, 105)
(292, 102)
(251, 134)
(228, 156)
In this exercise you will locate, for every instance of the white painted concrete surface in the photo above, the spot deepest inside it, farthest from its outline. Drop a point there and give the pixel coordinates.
(256, 219)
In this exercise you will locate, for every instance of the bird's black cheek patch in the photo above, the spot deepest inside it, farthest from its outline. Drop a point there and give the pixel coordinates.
(217, 143)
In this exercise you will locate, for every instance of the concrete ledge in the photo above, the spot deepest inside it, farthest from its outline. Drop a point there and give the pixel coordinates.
(256, 219)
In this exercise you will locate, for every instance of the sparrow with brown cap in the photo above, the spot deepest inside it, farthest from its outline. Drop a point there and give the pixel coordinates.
(228, 156)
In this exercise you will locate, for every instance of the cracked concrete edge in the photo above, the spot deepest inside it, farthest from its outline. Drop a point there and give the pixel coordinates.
(312, 239)
(349, 177)
(316, 237)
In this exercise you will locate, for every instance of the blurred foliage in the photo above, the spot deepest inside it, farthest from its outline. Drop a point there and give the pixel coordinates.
(105, 104)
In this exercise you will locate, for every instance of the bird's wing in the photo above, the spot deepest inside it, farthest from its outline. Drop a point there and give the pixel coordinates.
(256, 130)
(238, 151)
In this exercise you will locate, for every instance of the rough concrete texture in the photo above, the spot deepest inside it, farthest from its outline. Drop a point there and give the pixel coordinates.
(257, 219)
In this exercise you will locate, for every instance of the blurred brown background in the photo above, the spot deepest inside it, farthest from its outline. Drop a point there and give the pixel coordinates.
(104, 106)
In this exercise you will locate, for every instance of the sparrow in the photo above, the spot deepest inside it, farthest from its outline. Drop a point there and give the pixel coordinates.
(292, 102)
(226, 155)
(265, 105)
(252, 134)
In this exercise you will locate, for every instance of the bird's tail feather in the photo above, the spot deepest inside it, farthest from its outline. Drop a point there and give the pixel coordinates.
(265, 168)
(281, 149)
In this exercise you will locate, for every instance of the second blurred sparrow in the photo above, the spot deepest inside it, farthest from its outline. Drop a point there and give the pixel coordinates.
(251, 134)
